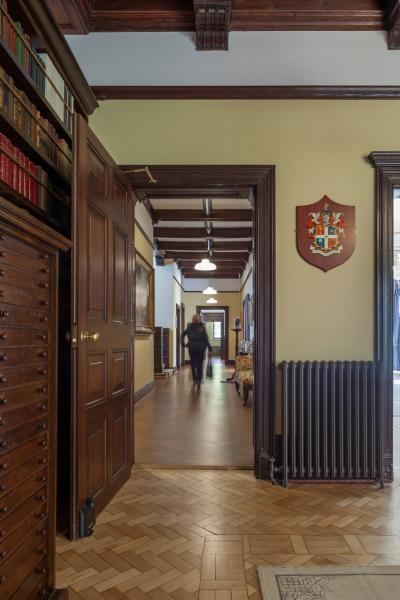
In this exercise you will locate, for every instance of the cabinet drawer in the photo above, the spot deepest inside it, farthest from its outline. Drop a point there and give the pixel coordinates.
(10, 377)
(12, 418)
(12, 295)
(29, 317)
(15, 569)
(19, 464)
(13, 397)
(35, 266)
(35, 585)
(20, 356)
(10, 336)
(13, 438)
(31, 487)
(19, 535)
(32, 505)
(16, 245)
(23, 280)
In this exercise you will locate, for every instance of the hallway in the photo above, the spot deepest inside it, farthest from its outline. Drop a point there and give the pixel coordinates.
(180, 425)
(199, 535)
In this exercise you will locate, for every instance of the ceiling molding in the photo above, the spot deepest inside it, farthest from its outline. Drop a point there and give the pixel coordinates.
(185, 246)
(73, 17)
(212, 21)
(232, 214)
(247, 92)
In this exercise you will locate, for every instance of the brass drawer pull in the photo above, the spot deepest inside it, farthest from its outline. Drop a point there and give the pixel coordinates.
(4, 466)
(3, 379)
(41, 478)
(2, 273)
(41, 498)
(3, 357)
(44, 319)
(2, 579)
(3, 533)
(3, 400)
(45, 256)
(3, 554)
(2, 422)
(42, 461)
(42, 371)
(4, 314)
(42, 284)
(43, 443)
(41, 407)
(3, 444)
(4, 509)
(3, 336)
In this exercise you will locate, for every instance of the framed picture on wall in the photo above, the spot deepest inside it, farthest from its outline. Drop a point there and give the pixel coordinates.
(144, 303)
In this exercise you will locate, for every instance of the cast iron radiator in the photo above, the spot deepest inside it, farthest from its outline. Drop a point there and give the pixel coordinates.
(332, 421)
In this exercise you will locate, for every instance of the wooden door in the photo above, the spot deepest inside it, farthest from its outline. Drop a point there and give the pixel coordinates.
(104, 289)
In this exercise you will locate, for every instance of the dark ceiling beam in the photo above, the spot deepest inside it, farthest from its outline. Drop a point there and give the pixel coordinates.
(228, 245)
(393, 18)
(228, 265)
(198, 215)
(246, 15)
(227, 256)
(74, 16)
(199, 232)
(212, 22)
(221, 275)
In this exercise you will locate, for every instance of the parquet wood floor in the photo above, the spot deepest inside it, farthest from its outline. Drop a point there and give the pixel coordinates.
(180, 425)
(199, 535)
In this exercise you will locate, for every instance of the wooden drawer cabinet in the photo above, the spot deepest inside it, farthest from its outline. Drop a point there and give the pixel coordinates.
(28, 334)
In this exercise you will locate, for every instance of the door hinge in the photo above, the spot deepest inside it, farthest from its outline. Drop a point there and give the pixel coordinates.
(72, 336)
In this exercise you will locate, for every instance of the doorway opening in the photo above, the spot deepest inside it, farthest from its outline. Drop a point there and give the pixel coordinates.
(216, 321)
(199, 197)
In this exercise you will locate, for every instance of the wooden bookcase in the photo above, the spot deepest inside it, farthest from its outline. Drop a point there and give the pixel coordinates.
(41, 90)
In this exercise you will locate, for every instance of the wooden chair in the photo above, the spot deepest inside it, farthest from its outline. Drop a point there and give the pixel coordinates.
(244, 376)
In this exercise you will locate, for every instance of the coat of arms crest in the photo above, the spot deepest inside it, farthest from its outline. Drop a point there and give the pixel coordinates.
(326, 233)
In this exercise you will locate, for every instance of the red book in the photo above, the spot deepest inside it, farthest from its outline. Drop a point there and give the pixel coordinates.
(15, 168)
(26, 177)
(9, 168)
(3, 158)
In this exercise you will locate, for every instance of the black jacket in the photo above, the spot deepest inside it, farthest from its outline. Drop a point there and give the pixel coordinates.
(197, 336)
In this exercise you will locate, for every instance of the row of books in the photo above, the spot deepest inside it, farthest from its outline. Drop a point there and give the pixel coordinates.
(16, 105)
(38, 65)
(26, 178)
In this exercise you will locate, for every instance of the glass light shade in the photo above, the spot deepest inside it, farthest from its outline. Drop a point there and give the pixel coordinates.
(205, 265)
(210, 291)
(212, 301)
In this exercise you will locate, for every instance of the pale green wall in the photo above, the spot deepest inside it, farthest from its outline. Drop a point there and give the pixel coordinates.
(318, 147)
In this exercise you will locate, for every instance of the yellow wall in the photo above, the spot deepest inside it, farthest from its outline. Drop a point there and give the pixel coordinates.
(318, 147)
(144, 345)
(231, 299)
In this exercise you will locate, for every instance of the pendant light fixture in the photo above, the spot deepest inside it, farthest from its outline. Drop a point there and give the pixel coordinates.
(210, 291)
(212, 301)
(205, 265)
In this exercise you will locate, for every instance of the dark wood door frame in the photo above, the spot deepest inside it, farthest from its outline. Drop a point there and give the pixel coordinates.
(178, 333)
(261, 180)
(387, 177)
(183, 326)
(225, 338)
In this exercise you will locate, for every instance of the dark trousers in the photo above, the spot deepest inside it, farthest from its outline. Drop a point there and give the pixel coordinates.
(196, 362)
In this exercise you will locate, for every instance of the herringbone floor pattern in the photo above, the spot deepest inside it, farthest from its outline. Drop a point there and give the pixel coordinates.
(193, 534)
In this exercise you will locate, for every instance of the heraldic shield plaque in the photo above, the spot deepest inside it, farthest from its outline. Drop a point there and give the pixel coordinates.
(326, 235)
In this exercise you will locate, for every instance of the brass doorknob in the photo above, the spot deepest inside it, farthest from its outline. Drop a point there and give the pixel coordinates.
(90, 337)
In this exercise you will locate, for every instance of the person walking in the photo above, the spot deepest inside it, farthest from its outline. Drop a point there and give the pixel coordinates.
(198, 342)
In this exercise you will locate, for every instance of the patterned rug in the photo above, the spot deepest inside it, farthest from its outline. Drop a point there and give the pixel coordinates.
(330, 583)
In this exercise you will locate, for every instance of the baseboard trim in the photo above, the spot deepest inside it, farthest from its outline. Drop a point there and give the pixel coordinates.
(144, 391)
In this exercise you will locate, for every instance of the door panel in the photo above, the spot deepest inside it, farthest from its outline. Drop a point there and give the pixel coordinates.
(97, 263)
(97, 458)
(104, 284)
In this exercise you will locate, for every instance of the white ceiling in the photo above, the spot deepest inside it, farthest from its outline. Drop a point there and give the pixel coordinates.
(254, 58)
